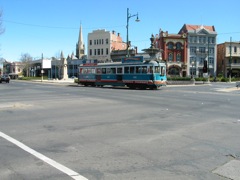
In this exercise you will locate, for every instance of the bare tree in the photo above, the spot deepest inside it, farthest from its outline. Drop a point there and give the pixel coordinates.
(26, 60)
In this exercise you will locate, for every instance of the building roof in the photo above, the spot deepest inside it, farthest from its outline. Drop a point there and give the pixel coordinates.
(190, 27)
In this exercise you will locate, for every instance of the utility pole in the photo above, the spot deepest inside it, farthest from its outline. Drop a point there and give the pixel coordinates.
(230, 61)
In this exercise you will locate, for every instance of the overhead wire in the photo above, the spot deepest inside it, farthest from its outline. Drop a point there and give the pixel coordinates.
(58, 27)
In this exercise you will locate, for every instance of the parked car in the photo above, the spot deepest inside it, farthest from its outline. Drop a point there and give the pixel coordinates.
(5, 78)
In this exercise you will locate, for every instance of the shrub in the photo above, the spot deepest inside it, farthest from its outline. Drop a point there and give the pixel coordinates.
(224, 80)
(201, 79)
(178, 78)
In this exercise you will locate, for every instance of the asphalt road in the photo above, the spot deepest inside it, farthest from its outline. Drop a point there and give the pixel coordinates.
(61, 131)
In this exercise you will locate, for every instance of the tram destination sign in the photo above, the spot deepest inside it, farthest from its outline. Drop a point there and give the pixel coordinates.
(135, 59)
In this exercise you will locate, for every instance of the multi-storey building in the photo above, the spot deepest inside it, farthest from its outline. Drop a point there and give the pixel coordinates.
(101, 43)
(201, 46)
(228, 59)
(173, 49)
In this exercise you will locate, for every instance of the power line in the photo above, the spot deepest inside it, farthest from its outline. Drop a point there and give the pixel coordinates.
(58, 27)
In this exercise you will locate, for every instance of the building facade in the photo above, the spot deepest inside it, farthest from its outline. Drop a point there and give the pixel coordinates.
(228, 59)
(201, 46)
(173, 48)
(101, 43)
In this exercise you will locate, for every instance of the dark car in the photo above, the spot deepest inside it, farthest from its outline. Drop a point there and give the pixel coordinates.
(5, 78)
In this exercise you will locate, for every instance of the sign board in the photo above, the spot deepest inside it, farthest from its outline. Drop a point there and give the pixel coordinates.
(46, 64)
(135, 59)
(90, 62)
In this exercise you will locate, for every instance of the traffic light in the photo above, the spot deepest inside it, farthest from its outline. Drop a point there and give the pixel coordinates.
(205, 68)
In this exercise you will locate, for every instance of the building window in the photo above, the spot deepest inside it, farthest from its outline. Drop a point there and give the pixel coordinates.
(202, 49)
(95, 42)
(90, 52)
(235, 49)
(179, 57)
(106, 51)
(102, 41)
(211, 50)
(192, 59)
(194, 39)
(193, 50)
(98, 51)
(90, 42)
(101, 51)
(211, 60)
(179, 46)
(170, 57)
(106, 41)
(190, 39)
(204, 39)
(201, 61)
(211, 40)
(95, 52)
(170, 45)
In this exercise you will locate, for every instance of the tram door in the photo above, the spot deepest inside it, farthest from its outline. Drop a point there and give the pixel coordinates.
(98, 75)
(119, 73)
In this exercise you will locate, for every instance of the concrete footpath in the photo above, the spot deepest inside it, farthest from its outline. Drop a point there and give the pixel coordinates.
(62, 81)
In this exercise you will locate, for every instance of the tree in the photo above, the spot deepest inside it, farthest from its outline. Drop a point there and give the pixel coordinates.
(26, 60)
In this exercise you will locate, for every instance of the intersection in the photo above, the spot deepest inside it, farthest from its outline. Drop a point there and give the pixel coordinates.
(177, 132)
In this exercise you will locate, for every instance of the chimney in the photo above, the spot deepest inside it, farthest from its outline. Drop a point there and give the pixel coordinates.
(113, 32)
(118, 34)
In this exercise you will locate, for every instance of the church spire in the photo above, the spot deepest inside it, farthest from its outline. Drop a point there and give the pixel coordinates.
(80, 47)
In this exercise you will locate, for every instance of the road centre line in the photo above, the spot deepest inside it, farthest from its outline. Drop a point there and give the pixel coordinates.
(51, 162)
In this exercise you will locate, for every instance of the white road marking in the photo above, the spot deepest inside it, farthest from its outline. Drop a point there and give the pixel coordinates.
(51, 162)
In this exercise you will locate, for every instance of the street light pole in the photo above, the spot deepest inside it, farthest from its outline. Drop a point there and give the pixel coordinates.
(192, 69)
(208, 70)
(128, 17)
(230, 61)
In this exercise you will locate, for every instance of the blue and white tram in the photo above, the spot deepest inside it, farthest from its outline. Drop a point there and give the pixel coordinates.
(132, 72)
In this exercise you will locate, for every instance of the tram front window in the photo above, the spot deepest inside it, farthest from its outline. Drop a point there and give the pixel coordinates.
(163, 71)
(157, 69)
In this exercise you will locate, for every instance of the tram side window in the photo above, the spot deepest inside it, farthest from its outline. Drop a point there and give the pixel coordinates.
(163, 71)
(113, 70)
(151, 69)
(119, 70)
(131, 70)
(99, 70)
(93, 70)
(103, 70)
(85, 71)
(138, 69)
(108, 70)
(126, 70)
(144, 69)
(157, 69)
(90, 71)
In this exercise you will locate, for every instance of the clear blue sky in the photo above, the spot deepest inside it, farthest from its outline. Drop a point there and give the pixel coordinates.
(52, 26)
